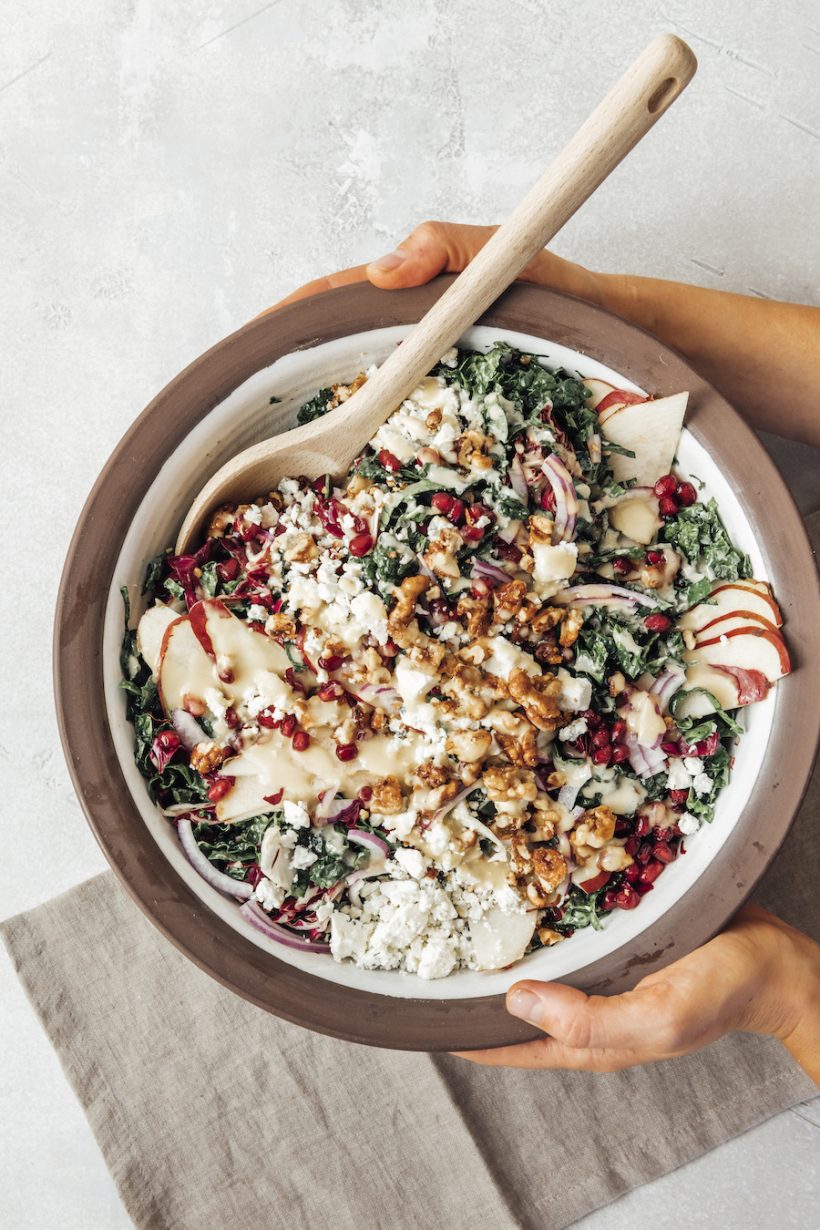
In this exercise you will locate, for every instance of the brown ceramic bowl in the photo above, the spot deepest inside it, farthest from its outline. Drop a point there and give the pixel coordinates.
(220, 404)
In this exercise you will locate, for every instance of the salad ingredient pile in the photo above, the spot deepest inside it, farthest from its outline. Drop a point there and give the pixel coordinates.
(467, 699)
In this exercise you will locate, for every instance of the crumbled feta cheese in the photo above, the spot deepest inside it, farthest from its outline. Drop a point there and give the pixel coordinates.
(693, 765)
(568, 734)
(677, 777)
(257, 613)
(411, 861)
(702, 784)
(576, 692)
(302, 857)
(688, 824)
(296, 815)
(270, 896)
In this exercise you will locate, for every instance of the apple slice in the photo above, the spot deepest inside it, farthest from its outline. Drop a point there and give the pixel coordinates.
(636, 518)
(240, 653)
(729, 622)
(733, 599)
(750, 648)
(651, 430)
(184, 671)
(598, 390)
(500, 939)
(619, 398)
(150, 632)
(758, 593)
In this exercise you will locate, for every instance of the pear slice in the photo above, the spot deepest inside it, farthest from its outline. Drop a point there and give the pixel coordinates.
(649, 429)
(500, 939)
(150, 632)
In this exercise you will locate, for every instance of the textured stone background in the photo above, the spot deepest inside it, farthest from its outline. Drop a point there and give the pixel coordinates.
(168, 169)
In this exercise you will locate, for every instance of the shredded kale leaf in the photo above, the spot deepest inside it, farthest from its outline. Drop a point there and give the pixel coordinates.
(316, 407)
(582, 910)
(698, 533)
(717, 767)
(233, 847)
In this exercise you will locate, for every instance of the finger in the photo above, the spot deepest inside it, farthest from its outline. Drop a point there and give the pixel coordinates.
(647, 1018)
(344, 277)
(432, 248)
(549, 1054)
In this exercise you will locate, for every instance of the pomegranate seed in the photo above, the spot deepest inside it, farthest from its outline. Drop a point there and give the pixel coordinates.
(547, 499)
(602, 755)
(330, 691)
(678, 796)
(654, 558)
(644, 852)
(456, 513)
(626, 897)
(665, 853)
(389, 460)
(650, 872)
(631, 845)
(301, 741)
(623, 827)
(592, 719)
(668, 506)
(609, 901)
(331, 663)
(620, 753)
(657, 622)
(622, 565)
(641, 827)
(360, 544)
(347, 751)
(288, 725)
(295, 683)
(506, 550)
(618, 730)
(663, 834)
(667, 485)
(475, 512)
(686, 494)
(471, 533)
(220, 788)
(642, 889)
(389, 649)
(228, 570)
(273, 799)
(231, 718)
(366, 794)
(601, 737)
(266, 719)
(633, 873)
(443, 503)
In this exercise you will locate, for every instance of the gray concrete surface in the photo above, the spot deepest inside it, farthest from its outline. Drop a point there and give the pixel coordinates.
(167, 170)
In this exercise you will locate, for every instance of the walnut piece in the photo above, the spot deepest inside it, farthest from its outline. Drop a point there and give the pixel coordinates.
(220, 521)
(468, 746)
(537, 697)
(550, 867)
(208, 756)
(407, 595)
(386, 798)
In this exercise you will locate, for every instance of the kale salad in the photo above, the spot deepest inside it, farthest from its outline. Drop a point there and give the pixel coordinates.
(467, 699)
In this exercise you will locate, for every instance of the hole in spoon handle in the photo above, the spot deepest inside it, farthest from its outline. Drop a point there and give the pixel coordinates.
(666, 93)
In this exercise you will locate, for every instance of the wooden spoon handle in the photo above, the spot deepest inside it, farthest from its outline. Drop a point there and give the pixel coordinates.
(627, 113)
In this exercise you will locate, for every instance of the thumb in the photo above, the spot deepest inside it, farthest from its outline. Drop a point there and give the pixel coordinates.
(430, 249)
(584, 1021)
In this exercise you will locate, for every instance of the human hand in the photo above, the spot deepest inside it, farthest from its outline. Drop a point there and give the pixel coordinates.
(447, 247)
(759, 975)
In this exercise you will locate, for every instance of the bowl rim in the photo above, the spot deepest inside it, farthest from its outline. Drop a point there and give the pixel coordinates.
(307, 1000)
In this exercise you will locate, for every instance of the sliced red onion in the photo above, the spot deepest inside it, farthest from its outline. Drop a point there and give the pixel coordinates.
(603, 594)
(646, 761)
(359, 837)
(518, 480)
(489, 572)
(188, 728)
(442, 811)
(576, 812)
(380, 695)
(483, 831)
(257, 917)
(566, 501)
(182, 809)
(667, 684)
(200, 863)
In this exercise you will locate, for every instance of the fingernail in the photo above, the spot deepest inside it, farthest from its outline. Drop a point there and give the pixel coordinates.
(387, 263)
(526, 1005)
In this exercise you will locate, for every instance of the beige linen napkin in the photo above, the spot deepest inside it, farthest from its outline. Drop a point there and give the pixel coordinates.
(211, 1113)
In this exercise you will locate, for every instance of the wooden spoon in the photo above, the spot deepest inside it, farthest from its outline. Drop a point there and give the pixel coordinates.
(328, 445)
